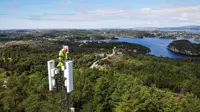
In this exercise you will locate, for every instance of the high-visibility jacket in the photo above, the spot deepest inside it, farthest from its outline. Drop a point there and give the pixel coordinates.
(60, 64)
(62, 56)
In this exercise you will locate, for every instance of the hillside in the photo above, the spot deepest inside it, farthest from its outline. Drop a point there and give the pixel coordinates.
(185, 47)
(133, 83)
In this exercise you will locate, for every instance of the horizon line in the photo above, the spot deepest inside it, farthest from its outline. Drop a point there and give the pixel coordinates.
(95, 28)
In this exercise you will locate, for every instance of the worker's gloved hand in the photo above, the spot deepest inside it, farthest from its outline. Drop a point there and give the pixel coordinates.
(60, 58)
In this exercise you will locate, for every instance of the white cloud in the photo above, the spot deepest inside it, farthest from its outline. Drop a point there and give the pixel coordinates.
(180, 18)
(108, 11)
(65, 2)
(150, 16)
(59, 4)
(146, 10)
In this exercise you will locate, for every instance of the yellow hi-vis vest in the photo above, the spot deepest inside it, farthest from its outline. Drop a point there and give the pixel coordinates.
(62, 57)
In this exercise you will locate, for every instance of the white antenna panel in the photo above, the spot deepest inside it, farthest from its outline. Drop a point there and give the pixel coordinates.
(51, 74)
(68, 74)
(53, 81)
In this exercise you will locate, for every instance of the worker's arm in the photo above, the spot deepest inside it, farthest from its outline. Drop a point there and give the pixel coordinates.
(66, 55)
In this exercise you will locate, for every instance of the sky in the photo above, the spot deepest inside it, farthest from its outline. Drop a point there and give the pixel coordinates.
(81, 14)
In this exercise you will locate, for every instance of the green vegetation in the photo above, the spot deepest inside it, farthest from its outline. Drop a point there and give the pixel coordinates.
(185, 47)
(130, 82)
(133, 33)
(197, 39)
(140, 33)
(54, 35)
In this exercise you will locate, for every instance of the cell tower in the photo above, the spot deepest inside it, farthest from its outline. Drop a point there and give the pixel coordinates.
(67, 71)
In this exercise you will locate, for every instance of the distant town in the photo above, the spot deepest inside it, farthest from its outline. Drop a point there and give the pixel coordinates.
(185, 32)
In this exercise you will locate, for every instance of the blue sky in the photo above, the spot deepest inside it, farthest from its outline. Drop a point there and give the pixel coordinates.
(27, 14)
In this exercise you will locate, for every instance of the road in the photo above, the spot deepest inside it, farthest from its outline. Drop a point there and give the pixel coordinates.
(95, 63)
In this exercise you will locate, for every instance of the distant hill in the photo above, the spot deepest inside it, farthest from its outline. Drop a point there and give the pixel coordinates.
(191, 27)
(180, 28)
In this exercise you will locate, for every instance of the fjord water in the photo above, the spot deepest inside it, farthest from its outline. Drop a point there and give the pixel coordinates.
(158, 46)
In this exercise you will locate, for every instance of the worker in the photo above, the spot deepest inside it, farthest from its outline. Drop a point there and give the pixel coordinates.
(63, 55)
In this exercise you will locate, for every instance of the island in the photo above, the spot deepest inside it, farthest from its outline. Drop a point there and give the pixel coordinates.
(197, 39)
(185, 47)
